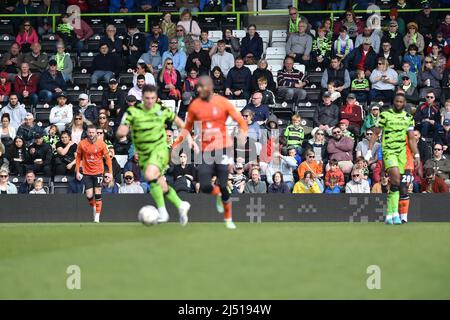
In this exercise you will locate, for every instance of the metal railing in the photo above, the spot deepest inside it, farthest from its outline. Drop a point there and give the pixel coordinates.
(238, 14)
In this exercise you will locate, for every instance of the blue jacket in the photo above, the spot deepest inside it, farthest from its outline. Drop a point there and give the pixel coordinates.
(46, 82)
(203, 3)
(254, 46)
(163, 43)
(153, 3)
(114, 5)
(261, 113)
(179, 59)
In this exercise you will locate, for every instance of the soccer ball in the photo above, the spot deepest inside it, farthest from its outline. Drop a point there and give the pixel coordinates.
(148, 215)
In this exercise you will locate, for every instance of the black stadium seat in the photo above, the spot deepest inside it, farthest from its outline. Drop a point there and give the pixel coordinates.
(229, 22)
(315, 77)
(209, 22)
(81, 79)
(16, 180)
(48, 46)
(95, 96)
(42, 116)
(168, 5)
(61, 184)
(6, 26)
(72, 96)
(126, 79)
(86, 62)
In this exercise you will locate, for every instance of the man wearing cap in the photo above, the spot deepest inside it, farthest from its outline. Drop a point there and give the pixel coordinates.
(373, 36)
(39, 156)
(37, 59)
(326, 115)
(86, 108)
(352, 112)
(427, 21)
(113, 99)
(51, 83)
(261, 111)
(363, 57)
(411, 93)
(105, 65)
(444, 137)
(393, 36)
(16, 111)
(28, 130)
(61, 114)
(372, 118)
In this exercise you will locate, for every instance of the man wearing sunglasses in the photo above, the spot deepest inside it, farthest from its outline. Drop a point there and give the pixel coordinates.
(439, 163)
(428, 117)
(398, 128)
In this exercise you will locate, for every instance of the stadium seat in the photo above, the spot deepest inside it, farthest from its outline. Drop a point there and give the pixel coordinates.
(95, 96)
(299, 67)
(61, 184)
(279, 37)
(274, 66)
(6, 26)
(239, 104)
(252, 67)
(215, 35)
(265, 35)
(42, 117)
(72, 96)
(4, 45)
(229, 22)
(279, 44)
(312, 95)
(209, 22)
(275, 53)
(16, 180)
(239, 33)
(81, 79)
(48, 46)
(315, 77)
(170, 104)
(168, 5)
(126, 78)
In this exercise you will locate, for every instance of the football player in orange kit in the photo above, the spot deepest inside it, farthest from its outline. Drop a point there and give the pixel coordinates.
(212, 112)
(90, 154)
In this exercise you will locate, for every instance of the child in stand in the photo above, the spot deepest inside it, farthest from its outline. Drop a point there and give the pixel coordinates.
(445, 112)
(343, 125)
(38, 187)
(218, 80)
(362, 165)
(268, 98)
(335, 95)
(334, 173)
(5, 88)
(361, 87)
(415, 60)
(343, 44)
(207, 45)
(332, 187)
(295, 134)
(321, 49)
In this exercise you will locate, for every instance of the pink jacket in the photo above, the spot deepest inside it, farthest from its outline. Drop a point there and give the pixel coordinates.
(24, 38)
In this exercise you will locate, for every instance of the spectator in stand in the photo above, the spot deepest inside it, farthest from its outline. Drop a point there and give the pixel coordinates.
(8, 6)
(326, 115)
(428, 117)
(157, 36)
(232, 44)
(372, 118)
(167, 26)
(251, 46)
(374, 37)
(363, 57)
(82, 32)
(40, 156)
(64, 161)
(260, 111)
(311, 5)
(414, 37)
(23, 7)
(406, 72)
(255, 185)
(185, 41)
(337, 73)
(263, 72)
(5, 88)
(394, 37)
(207, 45)
(294, 20)
(291, 83)
(114, 42)
(363, 146)
(353, 113)
(17, 155)
(444, 27)
(357, 184)
(354, 26)
(383, 80)
(340, 148)
(147, 5)
(427, 21)
(16, 111)
(177, 57)
(142, 69)
(63, 62)
(152, 59)
(51, 83)
(104, 131)
(122, 6)
(28, 185)
(113, 99)
(28, 130)
(390, 55)
(188, 6)
(186, 21)
(268, 96)
(133, 44)
(184, 175)
(6, 187)
(318, 144)
(432, 183)
(212, 5)
(169, 82)
(11, 61)
(218, 80)
(222, 59)
(25, 85)
(295, 133)
(36, 59)
(336, 174)
(140, 83)
(7, 132)
(239, 81)
(109, 185)
(343, 45)
(130, 185)
(61, 114)
(98, 6)
(27, 36)
(435, 53)
(82, 4)
(321, 49)
(314, 167)
(278, 185)
(439, 163)
(444, 137)
(52, 137)
(44, 23)
(199, 59)
(190, 85)
(414, 60)
(4, 162)
(105, 65)
(430, 79)
(284, 164)
(307, 184)
(88, 111)
(299, 45)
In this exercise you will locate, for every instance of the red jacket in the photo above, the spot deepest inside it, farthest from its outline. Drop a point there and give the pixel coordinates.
(5, 89)
(353, 114)
(338, 175)
(29, 83)
(439, 186)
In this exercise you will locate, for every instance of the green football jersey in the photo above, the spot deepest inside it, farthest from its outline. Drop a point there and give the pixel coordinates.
(148, 131)
(395, 128)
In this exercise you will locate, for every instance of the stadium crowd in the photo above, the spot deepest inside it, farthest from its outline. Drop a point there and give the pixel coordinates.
(361, 65)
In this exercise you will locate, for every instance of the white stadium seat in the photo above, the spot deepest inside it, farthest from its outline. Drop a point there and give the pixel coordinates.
(170, 104)
(265, 35)
(275, 53)
(215, 35)
(239, 33)
(300, 67)
(252, 67)
(239, 104)
(279, 44)
(279, 38)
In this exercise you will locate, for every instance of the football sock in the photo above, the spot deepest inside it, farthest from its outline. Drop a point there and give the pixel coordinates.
(392, 201)
(215, 191)
(157, 194)
(227, 211)
(172, 196)
(98, 203)
(403, 208)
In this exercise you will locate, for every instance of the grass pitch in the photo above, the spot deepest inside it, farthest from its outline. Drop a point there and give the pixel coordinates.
(206, 261)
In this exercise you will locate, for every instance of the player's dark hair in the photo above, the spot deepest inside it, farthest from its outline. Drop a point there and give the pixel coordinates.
(140, 77)
(220, 42)
(149, 88)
